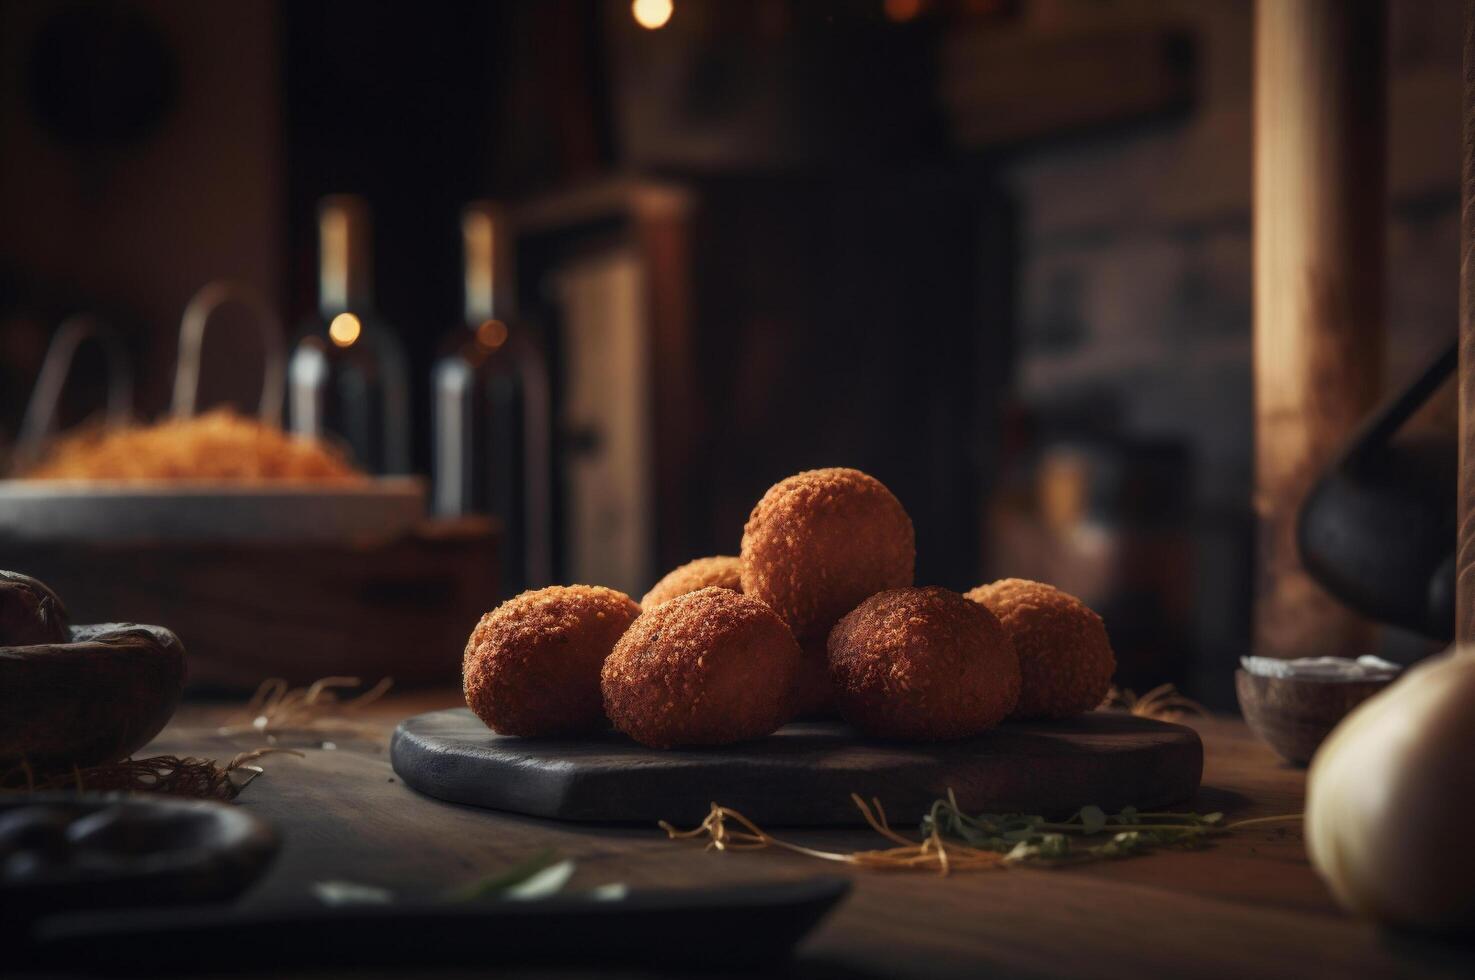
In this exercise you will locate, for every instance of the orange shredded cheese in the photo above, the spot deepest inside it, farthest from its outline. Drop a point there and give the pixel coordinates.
(220, 445)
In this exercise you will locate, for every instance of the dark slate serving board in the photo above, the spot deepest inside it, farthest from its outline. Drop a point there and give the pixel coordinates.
(804, 773)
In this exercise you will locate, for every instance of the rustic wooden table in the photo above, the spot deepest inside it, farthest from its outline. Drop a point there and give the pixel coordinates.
(1250, 905)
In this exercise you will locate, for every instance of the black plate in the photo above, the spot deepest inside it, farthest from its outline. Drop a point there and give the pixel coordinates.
(181, 852)
(721, 928)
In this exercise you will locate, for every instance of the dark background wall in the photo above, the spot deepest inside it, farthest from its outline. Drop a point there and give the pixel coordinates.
(995, 251)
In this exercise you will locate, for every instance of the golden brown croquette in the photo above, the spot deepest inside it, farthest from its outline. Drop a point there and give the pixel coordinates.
(707, 668)
(1065, 657)
(821, 541)
(922, 664)
(814, 694)
(532, 664)
(723, 571)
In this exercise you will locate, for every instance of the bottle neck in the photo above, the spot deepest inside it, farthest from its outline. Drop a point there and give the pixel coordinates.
(345, 263)
(488, 264)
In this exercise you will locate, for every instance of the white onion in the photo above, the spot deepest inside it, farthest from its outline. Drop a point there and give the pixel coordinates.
(1390, 801)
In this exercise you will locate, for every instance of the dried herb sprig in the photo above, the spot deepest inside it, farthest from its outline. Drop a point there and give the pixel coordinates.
(1030, 838)
(171, 775)
(908, 855)
(1162, 702)
(277, 709)
(955, 840)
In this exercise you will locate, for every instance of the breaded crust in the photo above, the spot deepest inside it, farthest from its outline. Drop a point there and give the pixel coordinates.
(707, 668)
(723, 571)
(814, 693)
(821, 541)
(1065, 657)
(532, 664)
(922, 664)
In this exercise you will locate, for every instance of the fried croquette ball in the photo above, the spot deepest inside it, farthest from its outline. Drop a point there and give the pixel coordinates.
(532, 664)
(707, 668)
(723, 571)
(821, 541)
(922, 664)
(814, 694)
(1065, 658)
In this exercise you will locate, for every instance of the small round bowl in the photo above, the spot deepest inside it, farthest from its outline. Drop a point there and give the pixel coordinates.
(1294, 714)
(62, 852)
(96, 699)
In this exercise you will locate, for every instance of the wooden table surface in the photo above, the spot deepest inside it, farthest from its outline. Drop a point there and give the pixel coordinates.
(1250, 905)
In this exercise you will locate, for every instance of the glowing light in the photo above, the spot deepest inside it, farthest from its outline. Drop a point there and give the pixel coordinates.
(652, 14)
(902, 10)
(345, 329)
(492, 334)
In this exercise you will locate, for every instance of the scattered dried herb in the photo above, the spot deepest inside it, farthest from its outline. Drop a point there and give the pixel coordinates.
(931, 852)
(202, 779)
(954, 840)
(1162, 702)
(277, 709)
(1028, 838)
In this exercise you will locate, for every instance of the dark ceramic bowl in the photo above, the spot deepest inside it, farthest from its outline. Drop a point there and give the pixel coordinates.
(97, 698)
(1293, 715)
(71, 851)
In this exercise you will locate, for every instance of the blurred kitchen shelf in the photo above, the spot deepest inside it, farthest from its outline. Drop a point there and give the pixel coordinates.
(1006, 87)
(247, 611)
(1045, 374)
(605, 268)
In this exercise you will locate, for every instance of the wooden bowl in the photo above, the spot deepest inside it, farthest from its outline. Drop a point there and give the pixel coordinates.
(95, 699)
(1294, 714)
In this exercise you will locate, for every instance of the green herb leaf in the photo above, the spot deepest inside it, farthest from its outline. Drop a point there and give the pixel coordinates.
(1030, 838)
(615, 891)
(542, 884)
(1054, 846)
(506, 884)
(339, 893)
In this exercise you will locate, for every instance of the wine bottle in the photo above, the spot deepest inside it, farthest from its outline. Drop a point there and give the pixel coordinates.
(347, 379)
(491, 409)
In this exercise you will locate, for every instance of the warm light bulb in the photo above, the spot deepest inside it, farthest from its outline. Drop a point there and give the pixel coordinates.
(492, 334)
(902, 10)
(345, 329)
(652, 14)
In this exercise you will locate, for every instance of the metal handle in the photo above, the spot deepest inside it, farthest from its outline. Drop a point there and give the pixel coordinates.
(196, 318)
(40, 417)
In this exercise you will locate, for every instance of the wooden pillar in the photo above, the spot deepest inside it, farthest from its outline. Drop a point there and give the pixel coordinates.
(1319, 205)
(1465, 553)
